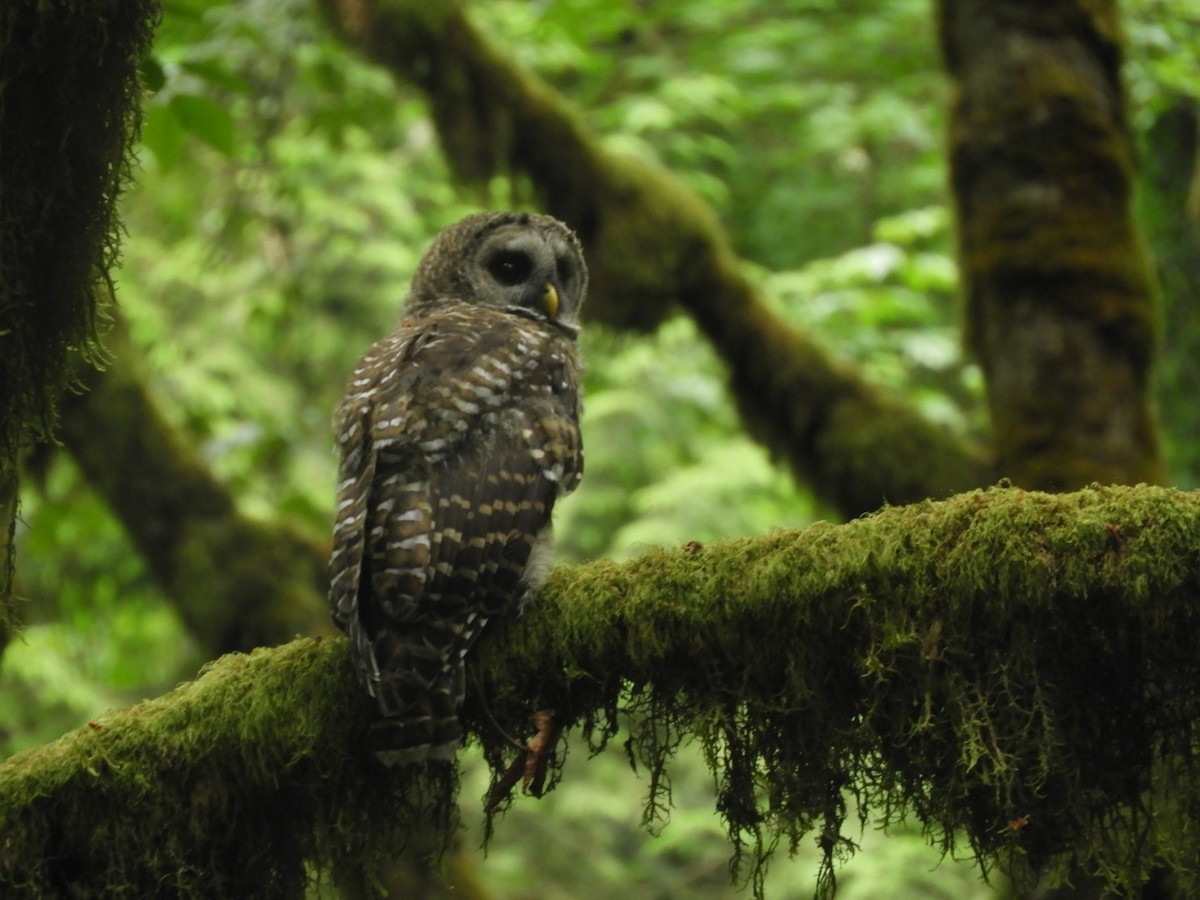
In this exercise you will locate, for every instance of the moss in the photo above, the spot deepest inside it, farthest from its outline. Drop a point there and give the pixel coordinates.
(230, 786)
(1001, 657)
(68, 116)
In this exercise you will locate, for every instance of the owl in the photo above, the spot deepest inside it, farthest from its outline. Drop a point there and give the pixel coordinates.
(457, 434)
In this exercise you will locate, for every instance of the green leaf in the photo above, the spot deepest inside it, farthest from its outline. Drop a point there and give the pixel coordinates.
(151, 73)
(208, 120)
(162, 135)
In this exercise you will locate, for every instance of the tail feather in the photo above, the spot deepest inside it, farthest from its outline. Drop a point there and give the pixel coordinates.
(423, 724)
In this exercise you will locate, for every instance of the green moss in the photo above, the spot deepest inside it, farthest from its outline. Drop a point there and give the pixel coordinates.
(69, 114)
(998, 657)
(234, 785)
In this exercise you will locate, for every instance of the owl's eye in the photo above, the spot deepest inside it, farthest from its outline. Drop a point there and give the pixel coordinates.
(510, 267)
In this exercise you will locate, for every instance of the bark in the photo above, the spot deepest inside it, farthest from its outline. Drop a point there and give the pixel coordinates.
(1059, 293)
(652, 245)
(1016, 667)
(237, 583)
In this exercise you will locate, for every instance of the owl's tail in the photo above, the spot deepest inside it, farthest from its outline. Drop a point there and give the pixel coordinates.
(426, 727)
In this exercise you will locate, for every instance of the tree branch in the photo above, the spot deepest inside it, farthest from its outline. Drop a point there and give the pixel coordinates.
(651, 244)
(237, 583)
(1002, 657)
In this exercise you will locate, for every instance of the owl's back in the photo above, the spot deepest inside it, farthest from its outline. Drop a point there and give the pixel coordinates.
(458, 433)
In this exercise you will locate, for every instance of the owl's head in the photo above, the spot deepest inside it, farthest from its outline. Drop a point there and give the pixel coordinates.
(528, 264)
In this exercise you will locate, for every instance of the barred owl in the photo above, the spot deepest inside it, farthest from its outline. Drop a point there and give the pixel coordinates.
(457, 434)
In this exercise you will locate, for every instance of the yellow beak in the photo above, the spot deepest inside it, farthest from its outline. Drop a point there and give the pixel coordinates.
(550, 300)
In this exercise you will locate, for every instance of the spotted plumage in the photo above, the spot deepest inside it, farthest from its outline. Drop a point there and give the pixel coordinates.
(457, 434)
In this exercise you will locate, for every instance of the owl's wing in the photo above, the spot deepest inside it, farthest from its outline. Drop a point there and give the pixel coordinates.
(457, 436)
(354, 480)
(358, 449)
(493, 505)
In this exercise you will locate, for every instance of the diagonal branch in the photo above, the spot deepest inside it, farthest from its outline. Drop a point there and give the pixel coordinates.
(653, 244)
(236, 582)
(1000, 657)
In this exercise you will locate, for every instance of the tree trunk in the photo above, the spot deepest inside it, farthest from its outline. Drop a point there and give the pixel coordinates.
(1060, 308)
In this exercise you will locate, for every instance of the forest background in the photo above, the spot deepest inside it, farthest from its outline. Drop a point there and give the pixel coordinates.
(286, 188)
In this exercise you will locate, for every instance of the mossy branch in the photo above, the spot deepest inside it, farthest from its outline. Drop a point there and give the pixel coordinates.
(653, 245)
(1017, 667)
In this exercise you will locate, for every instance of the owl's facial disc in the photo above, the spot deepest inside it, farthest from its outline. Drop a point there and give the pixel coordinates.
(530, 271)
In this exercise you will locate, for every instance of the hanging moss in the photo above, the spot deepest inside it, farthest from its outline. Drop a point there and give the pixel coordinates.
(69, 112)
(1015, 667)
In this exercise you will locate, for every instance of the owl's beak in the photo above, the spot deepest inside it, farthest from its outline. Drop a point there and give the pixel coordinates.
(550, 300)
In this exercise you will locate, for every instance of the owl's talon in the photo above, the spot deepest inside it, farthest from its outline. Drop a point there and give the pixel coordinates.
(530, 765)
(539, 752)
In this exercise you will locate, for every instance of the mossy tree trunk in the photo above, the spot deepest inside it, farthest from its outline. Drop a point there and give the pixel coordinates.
(1060, 307)
(69, 111)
